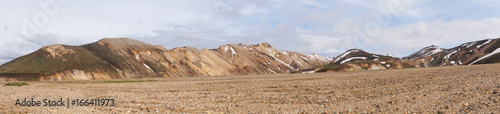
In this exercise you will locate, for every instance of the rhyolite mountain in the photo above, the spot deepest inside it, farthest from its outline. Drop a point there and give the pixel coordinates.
(476, 52)
(113, 58)
(356, 60)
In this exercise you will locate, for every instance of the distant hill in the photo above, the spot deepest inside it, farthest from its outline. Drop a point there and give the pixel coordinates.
(356, 59)
(127, 58)
(112, 58)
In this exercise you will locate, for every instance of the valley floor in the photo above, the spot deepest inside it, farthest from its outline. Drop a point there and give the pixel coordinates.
(464, 89)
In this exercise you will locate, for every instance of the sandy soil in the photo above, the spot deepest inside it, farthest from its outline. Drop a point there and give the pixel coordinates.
(457, 89)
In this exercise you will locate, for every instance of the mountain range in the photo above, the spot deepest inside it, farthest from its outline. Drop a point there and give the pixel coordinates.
(127, 58)
(476, 52)
(112, 58)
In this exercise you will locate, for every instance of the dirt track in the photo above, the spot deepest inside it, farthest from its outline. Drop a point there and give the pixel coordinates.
(469, 89)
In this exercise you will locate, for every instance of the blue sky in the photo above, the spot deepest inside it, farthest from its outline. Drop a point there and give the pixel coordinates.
(326, 27)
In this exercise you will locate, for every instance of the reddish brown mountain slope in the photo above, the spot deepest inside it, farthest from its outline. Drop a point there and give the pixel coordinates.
(127, 58)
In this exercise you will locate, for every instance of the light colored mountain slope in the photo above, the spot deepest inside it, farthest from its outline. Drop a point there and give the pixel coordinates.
(126, 58)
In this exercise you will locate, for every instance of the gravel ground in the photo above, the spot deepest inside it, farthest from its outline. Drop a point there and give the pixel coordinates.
(456, 89)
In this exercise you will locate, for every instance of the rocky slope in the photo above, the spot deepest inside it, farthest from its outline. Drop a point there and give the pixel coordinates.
(127, 58)
(356, 59)
(427, 51)
(476, 52)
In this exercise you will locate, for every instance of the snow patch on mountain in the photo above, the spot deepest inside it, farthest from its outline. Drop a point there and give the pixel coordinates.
(453, 63)
(304, 58)
(147, 67)
(467, 45)
(345, 54)
(271, 52)
(330, 58)
(349, 59)
(317, 57)
(288, 65)
(448, 56)
(479, 46)
(300, 63)
(232, 50)
(272, 71)
(435, 51)
(486, 56)
(427, 51)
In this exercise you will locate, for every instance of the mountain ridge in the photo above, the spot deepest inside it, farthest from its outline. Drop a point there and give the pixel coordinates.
(111, 58)
(475, 52)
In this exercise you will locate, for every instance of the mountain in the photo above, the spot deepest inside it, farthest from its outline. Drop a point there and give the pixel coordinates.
(330, 58)
(319, 58)
(112, 58)
(476, 52)
(356, 59)
(427, 51)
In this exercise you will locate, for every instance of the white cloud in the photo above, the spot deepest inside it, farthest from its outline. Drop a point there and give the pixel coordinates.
(439, 32)
(307, 26)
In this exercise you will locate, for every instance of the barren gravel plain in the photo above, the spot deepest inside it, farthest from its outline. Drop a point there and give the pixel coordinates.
(456, 89)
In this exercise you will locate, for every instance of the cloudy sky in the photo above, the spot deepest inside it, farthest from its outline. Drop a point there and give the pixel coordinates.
(326, 27)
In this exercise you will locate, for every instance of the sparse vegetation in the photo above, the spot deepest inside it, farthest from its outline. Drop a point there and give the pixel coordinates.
(17, 84)
(303, 70)
(127, 81)
(406, 65)
(41, 62)
(333, 67)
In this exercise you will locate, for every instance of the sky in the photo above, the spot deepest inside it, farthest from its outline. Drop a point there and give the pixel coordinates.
(325, 27)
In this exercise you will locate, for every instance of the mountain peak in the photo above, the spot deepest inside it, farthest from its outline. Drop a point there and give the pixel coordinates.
(354, 50)
(265, 44)
(57, 50)
(424, 52)
(349, 53)
(318, 57)
(120, 41)
(123, 43)
(431, 46)
(55, 46)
